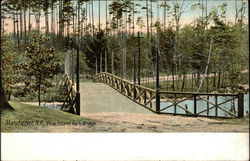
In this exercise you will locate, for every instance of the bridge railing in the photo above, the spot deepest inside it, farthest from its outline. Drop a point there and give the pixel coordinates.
(141, 95)
(202, 104)
(178, 103)
(69, 103)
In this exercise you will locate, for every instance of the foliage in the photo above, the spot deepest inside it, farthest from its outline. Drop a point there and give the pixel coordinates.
(10, 66)
(40, 66)
(93, 47)
(183, 49)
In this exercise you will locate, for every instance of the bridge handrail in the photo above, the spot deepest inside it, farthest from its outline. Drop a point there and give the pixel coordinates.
(148, 97)
(70, 96)
(124, 80)
(199, 93)
(142, 95)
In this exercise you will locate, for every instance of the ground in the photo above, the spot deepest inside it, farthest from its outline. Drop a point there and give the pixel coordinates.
(103, 109)
(112, 122)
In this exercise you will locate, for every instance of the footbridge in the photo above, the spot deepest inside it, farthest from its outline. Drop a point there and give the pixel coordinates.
(110, 93)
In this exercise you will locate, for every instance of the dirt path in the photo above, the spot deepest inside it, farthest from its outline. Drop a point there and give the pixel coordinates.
(170, 77)
(129, 122)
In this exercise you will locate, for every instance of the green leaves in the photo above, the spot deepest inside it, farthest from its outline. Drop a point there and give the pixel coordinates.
(40, 64)
(10, 65)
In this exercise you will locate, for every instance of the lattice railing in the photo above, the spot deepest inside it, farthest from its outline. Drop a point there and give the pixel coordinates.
(69, 103)
(178, 103)
(202, 104)
(141, 95)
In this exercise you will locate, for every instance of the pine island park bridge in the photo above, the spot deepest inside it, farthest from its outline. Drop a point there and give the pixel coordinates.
(110, 93)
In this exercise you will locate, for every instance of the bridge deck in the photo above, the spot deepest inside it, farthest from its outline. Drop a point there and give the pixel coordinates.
(99, 98)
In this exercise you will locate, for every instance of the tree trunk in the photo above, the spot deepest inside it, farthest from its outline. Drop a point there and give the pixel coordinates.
(21, 24)
(90, 19)
(61, 26)
(151, 20)
(100, 62)
(133, 17)
(18, 36)
(197, 79)
(219, 80)
(208, 82)
(93, 19)
(68, 27)
(46, 23)
(25, 28)
(173, 80)
(2, 23)
(99, 7)
(147, 19)
(106, 61)
(206, 70)
(167, 80)
(57, 31)
(3, 101)
(29, 23)
(214, 81)
(106, 15)
(112, 62)
(192, 81)
(14, 26)
(96, 68)
(52, 23)
(164, 14)
(183, 81)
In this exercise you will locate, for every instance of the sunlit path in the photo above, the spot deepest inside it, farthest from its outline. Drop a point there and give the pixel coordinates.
(99, 98)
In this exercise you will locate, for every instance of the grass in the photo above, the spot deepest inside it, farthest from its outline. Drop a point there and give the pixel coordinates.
(36, 116)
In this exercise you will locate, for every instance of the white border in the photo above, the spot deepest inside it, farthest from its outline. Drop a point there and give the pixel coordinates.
(125, 146)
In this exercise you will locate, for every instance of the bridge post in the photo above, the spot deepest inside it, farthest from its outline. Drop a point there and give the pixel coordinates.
(157, 82)
(96, 69)
(134, 90)
(112, 62)
(78, 103)
(100, 62)
(240, 105)
(106, 65)
(77, 83)
(139, 57)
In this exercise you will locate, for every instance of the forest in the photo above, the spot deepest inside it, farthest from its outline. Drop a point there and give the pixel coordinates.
(203, 46)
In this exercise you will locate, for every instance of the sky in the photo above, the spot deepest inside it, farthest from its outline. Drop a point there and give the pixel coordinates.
(187, 17)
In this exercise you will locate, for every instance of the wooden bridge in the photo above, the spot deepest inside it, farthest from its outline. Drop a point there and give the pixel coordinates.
(98, 96)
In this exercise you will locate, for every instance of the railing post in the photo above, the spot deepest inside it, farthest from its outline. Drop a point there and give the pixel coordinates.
(240, 105)
(157, 99)
(195, 106)
(151, 95)
(145, 97)
(78, 103)
(216, 105)
(78, 99)
(207, 105)
(134, 91)
(121, 85)
(175, 104)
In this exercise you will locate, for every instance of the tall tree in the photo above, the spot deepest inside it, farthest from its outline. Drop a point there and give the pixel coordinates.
(40, 66)
(3, 101)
